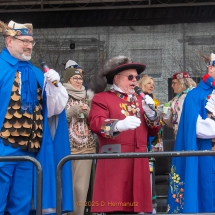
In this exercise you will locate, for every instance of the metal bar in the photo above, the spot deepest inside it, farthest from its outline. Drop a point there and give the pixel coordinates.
(80, 3)
(104, 7)
(119, 156)
(39, 176)
(164, 196)
(139, 155)
(64, 2)
(165, 213)
(191, 214)
(184, 47)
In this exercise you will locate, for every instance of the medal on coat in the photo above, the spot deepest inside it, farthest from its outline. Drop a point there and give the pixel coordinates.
(129, 109)
(124, 109)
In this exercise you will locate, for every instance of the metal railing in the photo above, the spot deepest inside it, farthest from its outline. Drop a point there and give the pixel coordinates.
(120, 156)
(8, 6)
(39, 177)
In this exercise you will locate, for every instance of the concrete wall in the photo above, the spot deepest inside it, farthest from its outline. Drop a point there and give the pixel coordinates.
(165, 49)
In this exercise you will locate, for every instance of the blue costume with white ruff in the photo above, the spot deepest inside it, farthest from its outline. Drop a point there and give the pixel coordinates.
(192, 179)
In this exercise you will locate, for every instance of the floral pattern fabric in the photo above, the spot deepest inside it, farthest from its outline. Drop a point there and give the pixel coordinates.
(176, 105)
(176, 189)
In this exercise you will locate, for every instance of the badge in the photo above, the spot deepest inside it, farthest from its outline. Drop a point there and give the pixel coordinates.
(129, 108)
(133, 110)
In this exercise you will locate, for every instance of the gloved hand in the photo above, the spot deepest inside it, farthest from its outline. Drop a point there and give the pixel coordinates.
(52, 76)
(130, 122)
(160, 110)
(145, 104)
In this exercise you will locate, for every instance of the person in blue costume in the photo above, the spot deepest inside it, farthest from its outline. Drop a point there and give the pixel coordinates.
(192, 179)
(33, 123)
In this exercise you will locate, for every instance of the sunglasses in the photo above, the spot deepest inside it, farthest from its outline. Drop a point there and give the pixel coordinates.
(76, 67)
(73, 66)
(131, 77)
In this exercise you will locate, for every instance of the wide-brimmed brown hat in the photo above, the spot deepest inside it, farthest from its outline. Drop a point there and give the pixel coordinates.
(111, 68)
(118, 64)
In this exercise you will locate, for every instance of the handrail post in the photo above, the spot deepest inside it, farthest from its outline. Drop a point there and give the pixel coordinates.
(59, 183)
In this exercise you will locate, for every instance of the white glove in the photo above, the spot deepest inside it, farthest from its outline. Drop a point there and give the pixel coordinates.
(210, 105)
(145, 104)
(52, 76)
(160, 110)
(130, 122)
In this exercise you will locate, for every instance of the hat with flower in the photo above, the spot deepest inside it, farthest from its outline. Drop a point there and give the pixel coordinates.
(180, 75)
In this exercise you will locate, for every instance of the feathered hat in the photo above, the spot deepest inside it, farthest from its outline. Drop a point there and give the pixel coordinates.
(16, 29)
(110, 68)
(209, 60)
